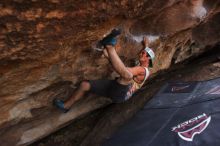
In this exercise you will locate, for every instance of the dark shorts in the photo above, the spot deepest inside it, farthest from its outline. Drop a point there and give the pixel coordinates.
(110, 88)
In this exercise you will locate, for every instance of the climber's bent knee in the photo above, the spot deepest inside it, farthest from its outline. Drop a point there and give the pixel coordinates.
(85, 86)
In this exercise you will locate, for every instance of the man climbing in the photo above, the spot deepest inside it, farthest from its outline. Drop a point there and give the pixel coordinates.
(121, 89)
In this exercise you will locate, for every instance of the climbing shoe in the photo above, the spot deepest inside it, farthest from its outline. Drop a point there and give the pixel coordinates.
(60, 105)
(110, 39)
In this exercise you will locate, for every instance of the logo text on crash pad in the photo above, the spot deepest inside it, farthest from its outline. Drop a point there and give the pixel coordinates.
(188, 129)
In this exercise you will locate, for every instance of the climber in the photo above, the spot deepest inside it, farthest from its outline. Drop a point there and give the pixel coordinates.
(121, 89)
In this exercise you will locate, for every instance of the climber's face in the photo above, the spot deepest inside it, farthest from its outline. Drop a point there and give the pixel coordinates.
(144, 57)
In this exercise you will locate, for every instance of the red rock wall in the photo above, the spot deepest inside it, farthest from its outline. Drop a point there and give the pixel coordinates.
(45, 44)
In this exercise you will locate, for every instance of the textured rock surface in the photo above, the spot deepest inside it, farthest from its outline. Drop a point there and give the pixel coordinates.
(46, 44)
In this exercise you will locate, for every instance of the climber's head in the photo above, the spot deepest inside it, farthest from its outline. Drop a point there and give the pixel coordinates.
(146, 56)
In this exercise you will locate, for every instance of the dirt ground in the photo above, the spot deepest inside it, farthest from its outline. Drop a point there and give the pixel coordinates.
(88, 130)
